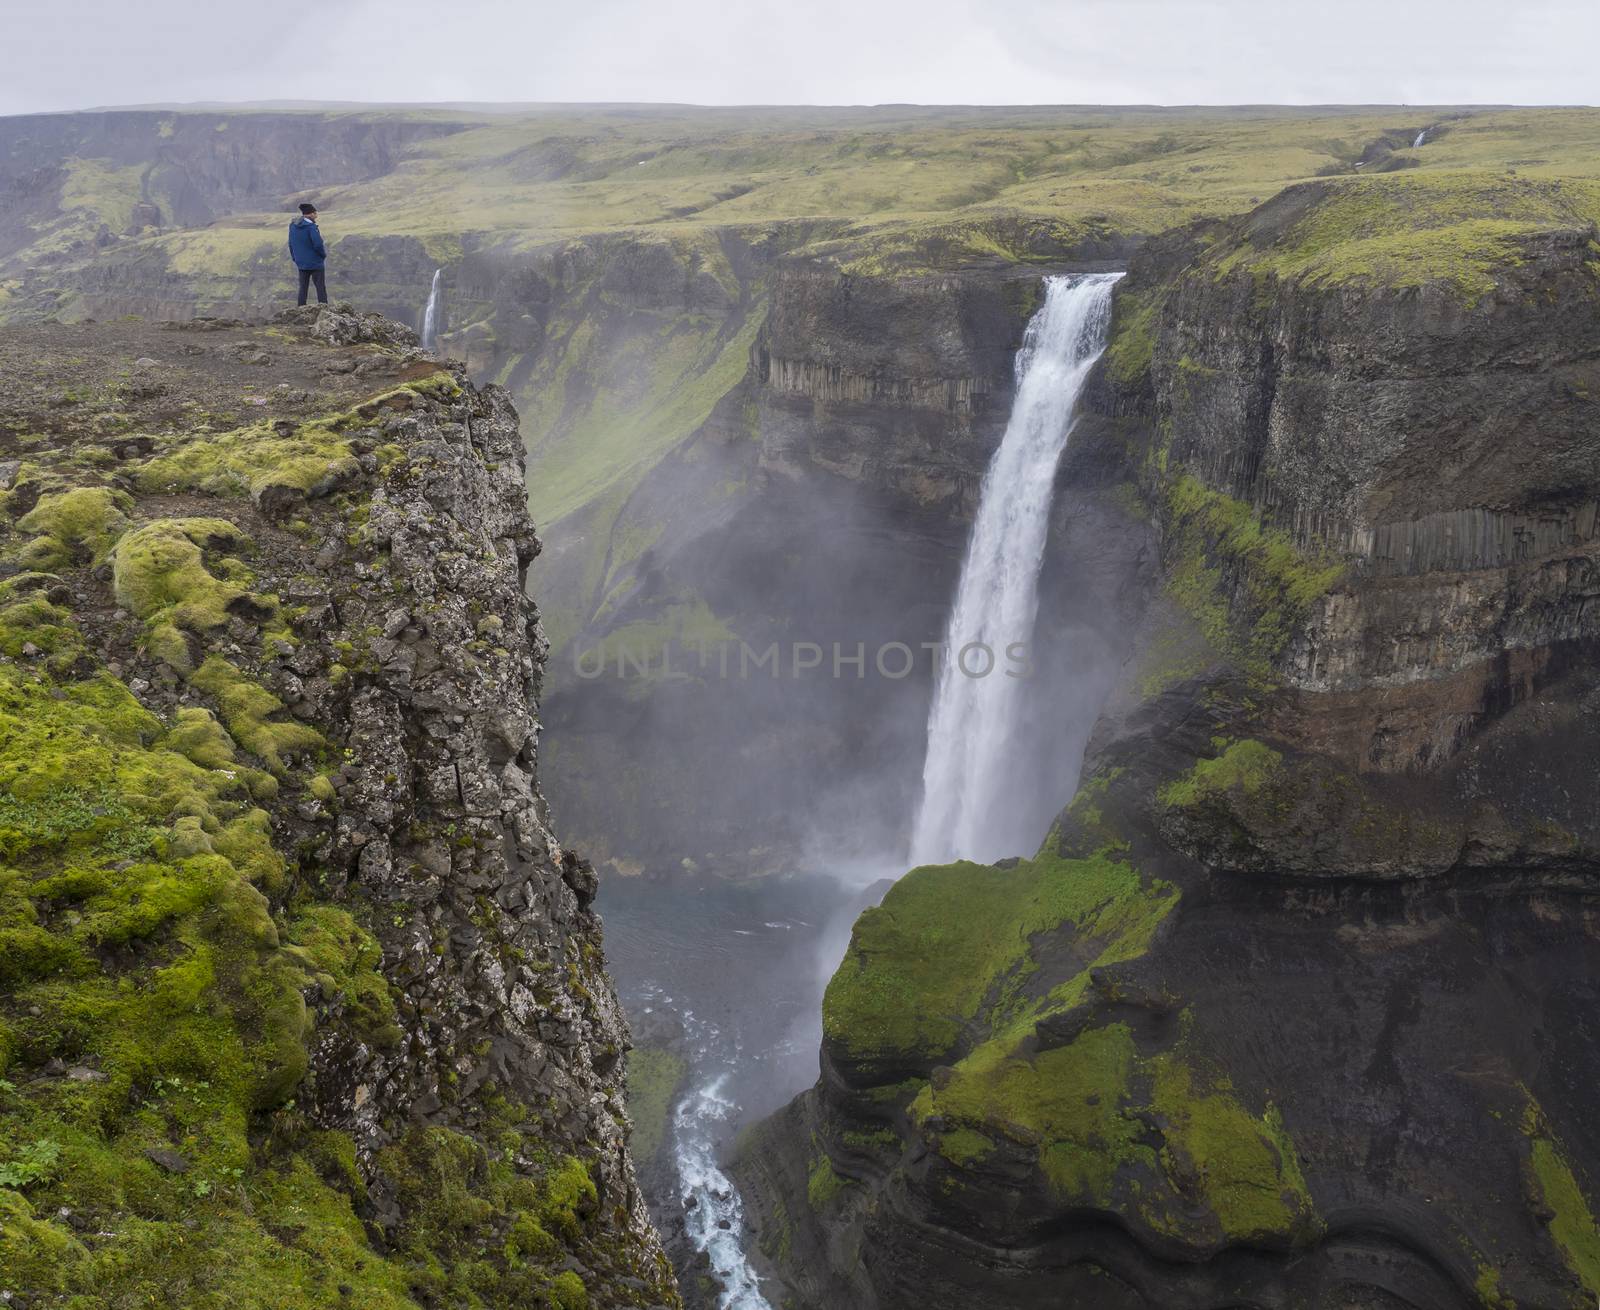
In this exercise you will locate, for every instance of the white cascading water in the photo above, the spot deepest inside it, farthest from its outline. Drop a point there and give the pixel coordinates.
(1421, 137)
(700, 1122)
(972, 721)
(430, 314)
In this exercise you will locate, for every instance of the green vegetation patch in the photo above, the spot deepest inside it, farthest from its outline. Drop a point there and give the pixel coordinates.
(160, 575)
(655, 1075)
(262, 461)
(138, 952)
(1212, 1172)
(345, 959)
(618, 387)
(481, 1227)
(1251, 1176)
(921, 964)
(1244, 766)
(1132, 341)
(1556, 1187)
(1247, 586)
(249, 709)
(28, 618)
(640, 649)
(1456, 229)
(251, 461)
(73, 527)
(823, 1185)
(956, 951)
(963, 1146)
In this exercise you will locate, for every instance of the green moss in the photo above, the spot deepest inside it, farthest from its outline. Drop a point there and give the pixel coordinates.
(257, 459)
(213, 1250)
(199, 738)
(247, 709)
(252, 461)
(42, 626)
(1132, 339)
(1174, 649)
(73, 527)
(345, 959)
(921, 963)
(1086, 1109)
(954, 958)
(776, 1237)
(963, 1146)
(1487, 1286)
(1242, 766)
(823, 1185)
(569, 1193)
(137, 946)
(1458, 230)
(160, 574)
(876, 1139)
(654, 1076)
(1069, 1101)
(567, 1292)
(1556, 1187)
(478, 1227)
(1248, 587)
(1248, 1170)
(35, 1252)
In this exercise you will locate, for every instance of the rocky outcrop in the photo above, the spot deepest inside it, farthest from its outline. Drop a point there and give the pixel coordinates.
(901, 384)
(288, 898)
(1288, 1010)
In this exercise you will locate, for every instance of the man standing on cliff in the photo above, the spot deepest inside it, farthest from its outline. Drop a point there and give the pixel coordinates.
(309, 254)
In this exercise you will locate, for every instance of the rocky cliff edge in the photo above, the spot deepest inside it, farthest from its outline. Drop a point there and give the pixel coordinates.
(301, 1001)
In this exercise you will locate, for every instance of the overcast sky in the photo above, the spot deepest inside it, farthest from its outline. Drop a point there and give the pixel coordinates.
(72, 54)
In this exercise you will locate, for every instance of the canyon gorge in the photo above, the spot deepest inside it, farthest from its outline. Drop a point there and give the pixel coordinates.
(1250, 962)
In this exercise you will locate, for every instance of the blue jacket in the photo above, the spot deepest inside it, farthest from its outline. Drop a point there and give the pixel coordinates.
(305, 244)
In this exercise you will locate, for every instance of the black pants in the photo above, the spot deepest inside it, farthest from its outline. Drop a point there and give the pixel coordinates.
(320, 277)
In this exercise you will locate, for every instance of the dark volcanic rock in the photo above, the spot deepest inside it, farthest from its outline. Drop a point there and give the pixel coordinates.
(1296, 1010)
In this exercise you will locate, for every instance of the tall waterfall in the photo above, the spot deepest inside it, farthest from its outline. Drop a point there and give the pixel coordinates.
(972, 720)
(430, 315)
(1421, 137)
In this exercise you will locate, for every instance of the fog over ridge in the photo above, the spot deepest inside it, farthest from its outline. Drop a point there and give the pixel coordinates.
(82, 53)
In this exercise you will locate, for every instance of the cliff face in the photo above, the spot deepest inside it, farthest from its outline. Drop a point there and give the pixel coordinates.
(187, 169)
(823, 503)
(1290, 1007)
(304, 1000)
(903, 384)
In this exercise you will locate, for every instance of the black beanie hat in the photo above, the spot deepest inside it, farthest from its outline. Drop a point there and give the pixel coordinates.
(308, 209)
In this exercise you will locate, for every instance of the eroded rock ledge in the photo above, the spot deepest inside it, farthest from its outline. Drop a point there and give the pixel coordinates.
(305, 1003)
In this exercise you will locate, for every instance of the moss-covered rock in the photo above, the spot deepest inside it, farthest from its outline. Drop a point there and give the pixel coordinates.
(211, 1042)
(951, 942)
(655, 1076)
(73, 527)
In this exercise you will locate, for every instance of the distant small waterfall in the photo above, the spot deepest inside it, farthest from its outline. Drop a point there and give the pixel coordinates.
(1421, 137)
(972, 721)
(430, 314)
